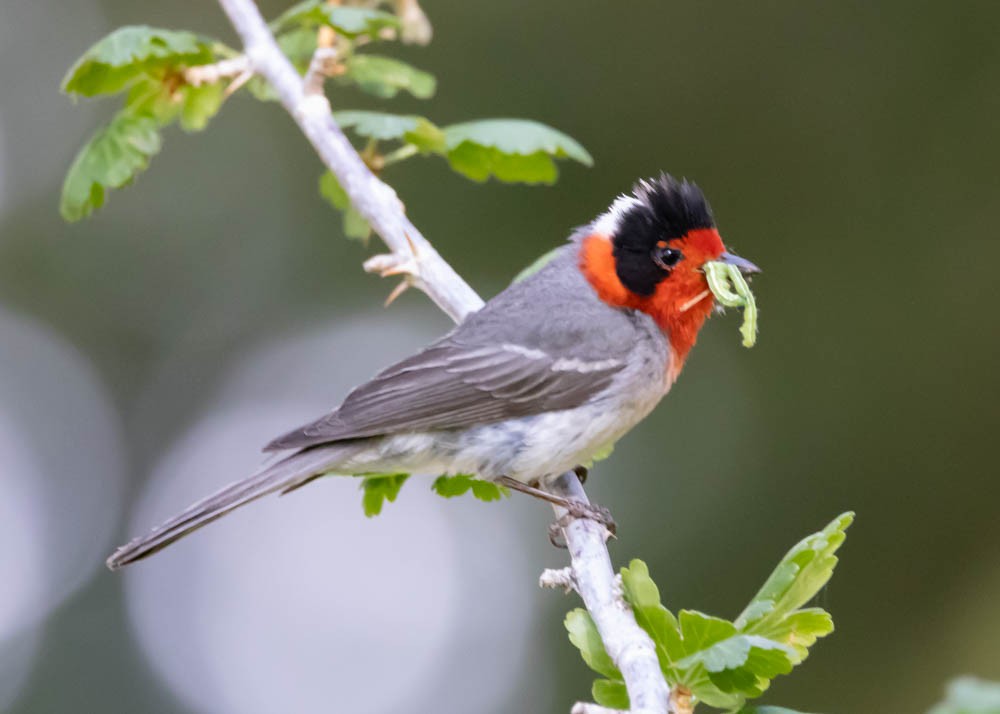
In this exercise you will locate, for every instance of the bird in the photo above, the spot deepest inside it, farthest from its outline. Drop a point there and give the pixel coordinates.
(551, 371)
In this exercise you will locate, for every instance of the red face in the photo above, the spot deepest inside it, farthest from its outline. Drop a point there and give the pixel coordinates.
(680, 302)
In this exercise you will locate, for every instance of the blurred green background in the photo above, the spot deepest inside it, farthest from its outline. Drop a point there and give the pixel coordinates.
(848, 148)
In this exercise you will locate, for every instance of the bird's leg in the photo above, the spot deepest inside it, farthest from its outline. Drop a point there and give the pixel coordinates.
(574, 509)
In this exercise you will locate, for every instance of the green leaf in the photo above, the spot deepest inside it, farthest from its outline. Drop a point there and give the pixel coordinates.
(199, 104)
(151, 97)
(384, 77)
(380, 126)
(642, 594)
(724, 668)
(969, 695)
(512, 150)
(131, 52)
(111, 159)
(379, 488)
(584, 636)
(611, 694)
(354, 224)
(348, 21)
(801, 574)
(451, 486)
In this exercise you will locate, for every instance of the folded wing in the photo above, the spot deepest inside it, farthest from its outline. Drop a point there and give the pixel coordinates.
(454, 385)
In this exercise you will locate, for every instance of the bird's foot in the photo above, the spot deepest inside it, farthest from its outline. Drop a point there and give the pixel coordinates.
(576, 510)
(591, 512)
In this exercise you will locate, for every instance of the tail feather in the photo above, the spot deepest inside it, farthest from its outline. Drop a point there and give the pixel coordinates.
(285, 475)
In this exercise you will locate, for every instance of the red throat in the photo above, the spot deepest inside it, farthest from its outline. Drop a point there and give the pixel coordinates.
(679, 305)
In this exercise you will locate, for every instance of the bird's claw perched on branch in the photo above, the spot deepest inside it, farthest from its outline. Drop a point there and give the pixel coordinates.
(592, 512)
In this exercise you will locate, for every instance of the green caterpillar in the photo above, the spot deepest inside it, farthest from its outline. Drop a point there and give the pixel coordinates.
(731, 290)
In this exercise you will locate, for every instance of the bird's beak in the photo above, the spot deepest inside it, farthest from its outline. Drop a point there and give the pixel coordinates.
(745, 266)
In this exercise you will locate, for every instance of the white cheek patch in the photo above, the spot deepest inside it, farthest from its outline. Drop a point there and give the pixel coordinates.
(607, 223)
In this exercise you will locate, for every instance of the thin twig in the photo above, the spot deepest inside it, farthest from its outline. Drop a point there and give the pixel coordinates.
(413, 256)
(211, 73)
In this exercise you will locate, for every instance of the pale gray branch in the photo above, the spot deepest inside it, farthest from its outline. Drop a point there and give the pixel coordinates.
(414, 257)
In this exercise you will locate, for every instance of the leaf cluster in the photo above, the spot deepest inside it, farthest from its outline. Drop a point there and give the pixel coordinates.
(147, 66)
(379, 488)
(724, 663)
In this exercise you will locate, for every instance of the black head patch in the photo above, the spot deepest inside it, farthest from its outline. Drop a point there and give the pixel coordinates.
(665, 209)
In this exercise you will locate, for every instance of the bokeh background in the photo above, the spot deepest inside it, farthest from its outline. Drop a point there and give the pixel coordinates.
(849, 148)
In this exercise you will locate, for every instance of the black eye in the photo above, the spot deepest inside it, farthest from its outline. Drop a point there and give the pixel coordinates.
(666, 257)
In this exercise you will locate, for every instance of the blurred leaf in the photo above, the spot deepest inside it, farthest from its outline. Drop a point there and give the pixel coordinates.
(610, 694)
(513, 150)
(969, 695)
(111, 159)
(354, 224)
(411, 129)
(153, 98)
(379, 488)
(298, 46)
(451, 486)
(130, 52)
(384, 77)
(348, 21)
(199, 104)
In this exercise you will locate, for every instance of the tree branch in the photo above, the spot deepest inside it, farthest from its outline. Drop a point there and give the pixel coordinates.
(414, 257)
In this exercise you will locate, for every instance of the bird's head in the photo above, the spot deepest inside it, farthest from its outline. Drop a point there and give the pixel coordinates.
(648, 251)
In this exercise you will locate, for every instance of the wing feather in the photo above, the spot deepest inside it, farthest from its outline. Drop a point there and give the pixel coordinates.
(451, 385)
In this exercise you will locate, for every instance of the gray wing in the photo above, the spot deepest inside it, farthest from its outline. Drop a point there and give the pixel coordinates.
(449, 385)
(544, 344)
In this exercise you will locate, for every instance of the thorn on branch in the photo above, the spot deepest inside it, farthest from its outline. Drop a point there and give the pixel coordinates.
(396, 292)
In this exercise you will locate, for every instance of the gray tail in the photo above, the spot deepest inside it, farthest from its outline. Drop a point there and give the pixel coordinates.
(285, 475)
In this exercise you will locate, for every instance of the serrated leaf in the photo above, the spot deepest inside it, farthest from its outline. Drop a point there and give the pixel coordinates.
(452, 486)
(724, 668)
(111, 159)
(380, 126)
(480, 162)
(130, 52)
(969, 695)
(199, 104)
(513, 150)
(354, 224)
(348, 21)
(610, 694)
(379, 488)
(584, 636)
(385, 77)
(803, 571)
